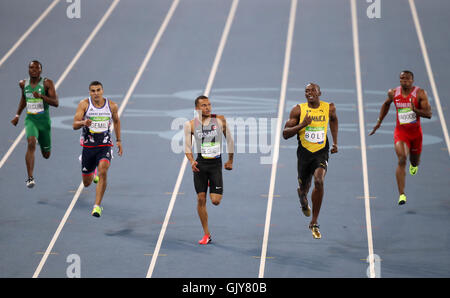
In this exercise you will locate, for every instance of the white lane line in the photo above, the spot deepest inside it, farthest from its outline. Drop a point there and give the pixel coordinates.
(9, 53)
(362, 135)
(28, 32)
(284, 81)
(58, 231)
(430, 72)
(149, 54)
(13, 146)
(66, 72)
(212, 75)
(81, 186)
(222, 43)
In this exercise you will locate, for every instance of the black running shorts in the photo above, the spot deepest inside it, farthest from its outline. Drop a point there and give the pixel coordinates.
(308, 162)
(210, 171)
(92, 156)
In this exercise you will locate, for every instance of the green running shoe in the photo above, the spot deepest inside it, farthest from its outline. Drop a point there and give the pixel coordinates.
(413, 170)
(97, 211)
(96, 178)
(402, 199)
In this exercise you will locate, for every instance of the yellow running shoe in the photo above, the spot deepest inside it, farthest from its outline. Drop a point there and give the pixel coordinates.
(306, 210)
(402, 199)
(305, 207)
(97, 211)
(315, 231)
(413, 170)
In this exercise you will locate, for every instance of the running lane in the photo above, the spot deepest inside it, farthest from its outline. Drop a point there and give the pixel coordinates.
(246, 88)
(322, 53)
(140, 182)
(52, 196)
(12, 26)
(43, 44)
(411, 240)
(29, 217)
(113, 59)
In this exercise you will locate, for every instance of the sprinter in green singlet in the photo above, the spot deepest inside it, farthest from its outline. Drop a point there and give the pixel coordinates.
(37, 94)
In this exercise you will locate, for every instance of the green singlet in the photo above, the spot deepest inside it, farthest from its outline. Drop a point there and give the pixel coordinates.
(37, 121)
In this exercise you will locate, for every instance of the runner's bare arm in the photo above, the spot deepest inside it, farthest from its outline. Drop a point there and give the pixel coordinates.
(424, 109)
(230, 142)
(22, 104)
(78, 121)
(188, 131)
(116, 121)
(292, 126)
(51, 98)
(334, 127)
(188, 141)
(384, 110)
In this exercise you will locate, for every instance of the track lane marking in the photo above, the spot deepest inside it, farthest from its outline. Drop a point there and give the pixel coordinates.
(28, 32)
(210, 81)
(276, 150)
(426, 59)
(362, 135)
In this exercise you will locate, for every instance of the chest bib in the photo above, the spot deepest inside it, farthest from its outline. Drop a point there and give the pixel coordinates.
(208, 138)
(314, 136)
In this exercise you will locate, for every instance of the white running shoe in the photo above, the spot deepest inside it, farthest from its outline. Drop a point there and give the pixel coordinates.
(30, 182)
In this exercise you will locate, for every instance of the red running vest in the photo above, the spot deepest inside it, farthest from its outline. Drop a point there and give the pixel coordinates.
(407, 120)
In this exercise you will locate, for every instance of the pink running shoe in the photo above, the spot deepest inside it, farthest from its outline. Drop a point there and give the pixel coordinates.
(205, 240)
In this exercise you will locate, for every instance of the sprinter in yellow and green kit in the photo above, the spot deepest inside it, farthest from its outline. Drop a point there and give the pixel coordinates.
(37, 94)
(309, 122)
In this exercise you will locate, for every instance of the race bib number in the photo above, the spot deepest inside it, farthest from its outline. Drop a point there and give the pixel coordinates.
(210, 150)
(315, 134)
(99, 124)
(406, 115)
(35, 106)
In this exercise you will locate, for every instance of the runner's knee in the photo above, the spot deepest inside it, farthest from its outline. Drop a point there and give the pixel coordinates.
(302, 192)
(402, 160)
(318, 182)
(215, 199)
(32, 144)
(303, 186)
(201, 199)
(102, 173)
(87, 181)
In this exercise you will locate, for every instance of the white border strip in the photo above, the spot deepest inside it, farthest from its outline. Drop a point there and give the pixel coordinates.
(28, 32)
(66, 72)
(362, 136)
(430, 72)
(212, 75)
(80, 188)
(276, 151)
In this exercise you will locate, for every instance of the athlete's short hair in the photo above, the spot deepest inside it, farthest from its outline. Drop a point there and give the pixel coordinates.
(408, 72)
(315, 85)
(95, 83)
(199, 98)
(35, 61)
